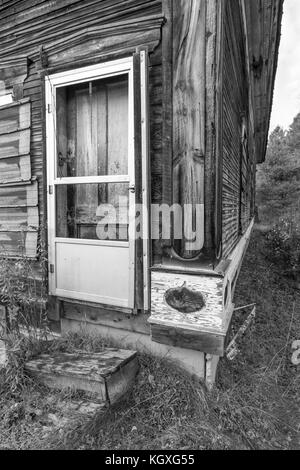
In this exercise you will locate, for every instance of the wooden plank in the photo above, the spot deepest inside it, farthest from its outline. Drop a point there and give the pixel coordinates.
(13, 71)
(218, 188)
(189, 339)
(139, 274)
(88, 366)
(167, 111)
(156, 148)
(117, 149)
(16, 244)
(15, 103)
(85, 10)
(104, 25)
(108, 374)
(146, 176)
(14, 118)
(117, 121)
(19, 219)
(75, 33)
(62, 155)
(209, 319)
(19, 196)
(107, 46)
(189, 55)
(86, 151)
(15, 169)
(210, 151)
(107, 317)
(235, 105)
(15, 144)
(232, 348)
(119, 383)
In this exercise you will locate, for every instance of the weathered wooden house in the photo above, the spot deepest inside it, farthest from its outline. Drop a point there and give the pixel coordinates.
(149, 104)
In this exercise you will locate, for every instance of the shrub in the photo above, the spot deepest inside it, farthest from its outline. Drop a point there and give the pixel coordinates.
(283, 247)
(24, 285)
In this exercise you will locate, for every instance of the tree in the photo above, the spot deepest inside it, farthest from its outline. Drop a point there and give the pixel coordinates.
(278, 179)
(293, 134)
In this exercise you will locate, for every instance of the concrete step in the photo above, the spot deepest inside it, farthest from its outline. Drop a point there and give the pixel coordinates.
(108, 375)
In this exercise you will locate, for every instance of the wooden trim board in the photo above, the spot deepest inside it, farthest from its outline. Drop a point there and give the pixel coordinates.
(189, 339)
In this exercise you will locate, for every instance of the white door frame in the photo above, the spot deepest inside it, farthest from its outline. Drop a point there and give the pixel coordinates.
(52, 82)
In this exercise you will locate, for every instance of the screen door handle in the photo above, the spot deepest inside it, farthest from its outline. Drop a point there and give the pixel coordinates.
(132, 188)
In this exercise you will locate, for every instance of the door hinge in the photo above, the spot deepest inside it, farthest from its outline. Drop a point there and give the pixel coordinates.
(49, 107)
(52, 268)
(132, 188)
(50, 189)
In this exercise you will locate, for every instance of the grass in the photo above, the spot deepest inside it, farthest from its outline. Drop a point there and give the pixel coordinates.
(255, 404)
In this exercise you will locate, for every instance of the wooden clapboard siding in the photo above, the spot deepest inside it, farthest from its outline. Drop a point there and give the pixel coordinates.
(83, 13)
(19, 219)
(15, 169)
(15, 219)
(18, 244)
(167, 108)
(13, 71)
(19, 216)
(14, 144)
(19, 196)
(235, 189)
(120, 43)
(14, 117)
(55, 22)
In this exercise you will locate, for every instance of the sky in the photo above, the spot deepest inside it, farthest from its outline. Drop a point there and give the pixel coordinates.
(287, 87)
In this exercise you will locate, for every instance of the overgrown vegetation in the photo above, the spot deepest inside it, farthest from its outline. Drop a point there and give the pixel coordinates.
(278, 188)
(23, 288)
(283, 247)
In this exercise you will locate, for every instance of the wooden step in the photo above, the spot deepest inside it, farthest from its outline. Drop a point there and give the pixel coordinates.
(108, 375)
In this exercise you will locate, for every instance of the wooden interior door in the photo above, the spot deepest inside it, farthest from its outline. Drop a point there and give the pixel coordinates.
(91, 176)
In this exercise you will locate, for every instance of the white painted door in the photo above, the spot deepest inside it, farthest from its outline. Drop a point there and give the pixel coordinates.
(90, 155)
